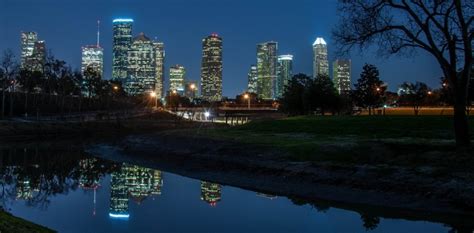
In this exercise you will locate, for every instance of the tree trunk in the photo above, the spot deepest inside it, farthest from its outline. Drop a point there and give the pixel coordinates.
(26, 103)
(3, 102)
(461, 126)
(12, 95)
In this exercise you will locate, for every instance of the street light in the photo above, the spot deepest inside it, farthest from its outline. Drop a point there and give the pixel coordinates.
(247, 97)
(193, 88)
(153, 95)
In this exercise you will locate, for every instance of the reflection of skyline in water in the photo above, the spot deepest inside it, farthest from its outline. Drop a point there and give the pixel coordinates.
(132, 182)
(210, 192)
(34, 176)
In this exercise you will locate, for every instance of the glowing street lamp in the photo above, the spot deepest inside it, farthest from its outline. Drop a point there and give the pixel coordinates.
(154, 95)
(247, 97)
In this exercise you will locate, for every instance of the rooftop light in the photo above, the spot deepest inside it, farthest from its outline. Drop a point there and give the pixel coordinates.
(319, 40)
(123, 20)
(285, 57)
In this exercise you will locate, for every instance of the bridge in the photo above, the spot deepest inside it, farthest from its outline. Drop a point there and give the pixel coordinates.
(228, 115)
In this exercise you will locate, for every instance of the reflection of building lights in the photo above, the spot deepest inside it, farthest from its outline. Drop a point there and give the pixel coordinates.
(119, 215)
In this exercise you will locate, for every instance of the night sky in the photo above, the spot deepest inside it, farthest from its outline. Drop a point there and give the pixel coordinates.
(181, 24)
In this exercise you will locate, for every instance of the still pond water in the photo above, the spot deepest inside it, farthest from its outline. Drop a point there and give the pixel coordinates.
(69, 191)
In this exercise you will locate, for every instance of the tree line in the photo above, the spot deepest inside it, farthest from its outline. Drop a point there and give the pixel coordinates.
(304, 95)
(57, 88)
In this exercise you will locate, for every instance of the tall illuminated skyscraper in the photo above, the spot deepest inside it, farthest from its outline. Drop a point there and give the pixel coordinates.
(342, 75)
(285, 72)
(122, 40)
(252, 79)
(320, 59)
(33, 52)
(267, 69)
(93, 57)
(141, 64)
(160, 68)
(211, 68)
(28, 40)
(177, 79)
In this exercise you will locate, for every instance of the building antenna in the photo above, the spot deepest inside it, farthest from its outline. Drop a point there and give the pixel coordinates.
(98, 33)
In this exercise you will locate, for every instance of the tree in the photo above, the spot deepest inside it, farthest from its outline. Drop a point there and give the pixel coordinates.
(415, 95)
(321, 94)
(443, 28)
(29, 81)
(369, 89)
(91, 82)
(292, 101)
(8, 66)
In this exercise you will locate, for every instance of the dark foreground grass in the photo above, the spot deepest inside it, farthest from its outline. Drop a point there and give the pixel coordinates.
(400, 140)
(9, 223)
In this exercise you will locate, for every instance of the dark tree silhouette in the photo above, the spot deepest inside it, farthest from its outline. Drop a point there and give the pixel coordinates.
(369, 89)
(321, 94)
(443, 28)
(415, 95)
(91, 82)
(292, 101)
(9, 68)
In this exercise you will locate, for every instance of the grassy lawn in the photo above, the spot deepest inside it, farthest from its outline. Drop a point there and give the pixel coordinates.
(401, 140)
(9, 223)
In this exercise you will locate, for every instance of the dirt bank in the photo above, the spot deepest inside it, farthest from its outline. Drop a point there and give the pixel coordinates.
(407, 192)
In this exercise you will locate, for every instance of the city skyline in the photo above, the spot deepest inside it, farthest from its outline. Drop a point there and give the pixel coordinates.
(239, 48)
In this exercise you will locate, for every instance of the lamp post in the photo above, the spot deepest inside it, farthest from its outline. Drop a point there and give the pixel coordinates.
(193, 89)
(153, 95)
(247, 97)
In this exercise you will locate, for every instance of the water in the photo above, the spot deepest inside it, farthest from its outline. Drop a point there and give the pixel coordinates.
(68, 191)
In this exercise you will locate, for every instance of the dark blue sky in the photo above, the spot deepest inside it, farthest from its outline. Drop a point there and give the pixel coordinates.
(67, 25)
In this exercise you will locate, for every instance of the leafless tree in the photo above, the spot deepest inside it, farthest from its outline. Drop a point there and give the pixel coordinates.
(8, 69)
(443, 28)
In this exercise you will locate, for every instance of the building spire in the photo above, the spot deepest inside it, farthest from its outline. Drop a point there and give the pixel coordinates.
(98, 33)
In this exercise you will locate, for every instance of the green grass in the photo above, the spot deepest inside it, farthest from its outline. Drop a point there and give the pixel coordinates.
(401, 140)
(9, 223)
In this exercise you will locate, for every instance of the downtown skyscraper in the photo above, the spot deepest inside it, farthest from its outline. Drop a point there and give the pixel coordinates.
(177, 79)
(285, 73)
(160, 68)
(141, 66)
(137, 62)
(252, 79)
(33, 52)
(122, 40)
(342, 75)
(211, 68)
(320, 57)
(93, 57)
(267, 60)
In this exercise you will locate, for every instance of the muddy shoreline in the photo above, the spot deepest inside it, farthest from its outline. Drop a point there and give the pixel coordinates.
(402, 194)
